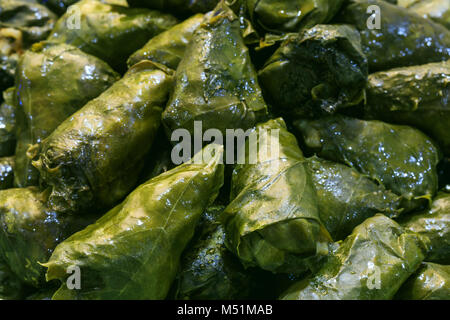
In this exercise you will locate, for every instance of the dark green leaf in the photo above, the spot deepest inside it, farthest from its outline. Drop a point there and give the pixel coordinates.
(346, 198)
(401, 158)
(320, 69)
(371, 264)
(93, 159)
(418, 96)
(208, 269)
(133, 251)
(404, 38)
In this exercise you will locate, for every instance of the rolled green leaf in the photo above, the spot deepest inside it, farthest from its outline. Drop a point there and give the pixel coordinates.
(7, 124)
(216, 82)
(273, 220)
(208, 270)
(319, 69)
(371, 264)
(53, 81)
(6, 172)
(94, 158)
(169, 46)
(433, 225)
(418, 96)
(291, 15)
(109, 32)
(400, 158)
(33, 20)
(134, 250)
(346, 198)
(430, 282)
(29, 231)
(401, 39)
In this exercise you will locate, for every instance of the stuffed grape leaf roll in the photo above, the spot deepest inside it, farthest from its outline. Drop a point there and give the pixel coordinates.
(321, 69)
(216, 82)
(169, 46)
(7, 124)
(53, 81)
(29, 231)
(401, 158)
(110, 32)
(370, 264)
(430, 282)
(208, 269)
(346, 197)
(402, 39)
(273, 220)
(418, 96)
(134, 250)
(94, 157)
(433, 225)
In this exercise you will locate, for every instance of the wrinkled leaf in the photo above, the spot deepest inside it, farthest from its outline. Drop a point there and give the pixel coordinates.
(346, 198)
(133, 251)
(404, 38)
(53, 81)
(400, 158)
(216, 82)
(320, 69)
(418, 96)
(371, 264)
(94, 157)
(273, 219)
